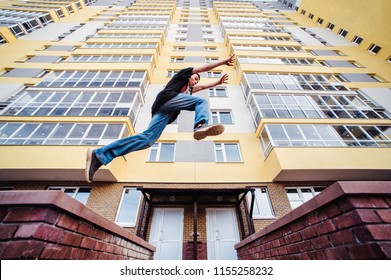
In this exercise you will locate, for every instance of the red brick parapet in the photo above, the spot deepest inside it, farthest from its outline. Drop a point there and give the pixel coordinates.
(348, 220)
(52, 225)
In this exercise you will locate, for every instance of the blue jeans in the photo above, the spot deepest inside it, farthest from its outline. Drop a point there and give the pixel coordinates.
(159, 121)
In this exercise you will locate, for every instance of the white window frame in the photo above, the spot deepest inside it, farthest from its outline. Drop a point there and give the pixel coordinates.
(179, 59)
(215, 74)
(128, 223)
(301, 198)
(217, 113)
(179, 48)
(210, 49)
(342, 32)
(261, 198)
(157, 147)
(319, 21)
(357, 40)
(74, 195)
(213, 91)
(330, 26)
(171, 73)
(372, 47)
(211, 59)
(224, 153)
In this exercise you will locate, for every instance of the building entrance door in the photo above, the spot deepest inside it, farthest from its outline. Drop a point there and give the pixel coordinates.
(222, 233)
(167, 233)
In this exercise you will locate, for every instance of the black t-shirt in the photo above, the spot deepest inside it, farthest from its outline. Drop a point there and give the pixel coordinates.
(171, 90)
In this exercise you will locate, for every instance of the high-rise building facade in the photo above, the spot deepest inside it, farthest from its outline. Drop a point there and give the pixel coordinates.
(307, 104)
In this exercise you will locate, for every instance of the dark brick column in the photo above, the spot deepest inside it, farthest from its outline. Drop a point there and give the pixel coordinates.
(349, 220)
(52, 225)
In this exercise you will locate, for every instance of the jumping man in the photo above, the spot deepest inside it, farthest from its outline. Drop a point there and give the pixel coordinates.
(176, 96)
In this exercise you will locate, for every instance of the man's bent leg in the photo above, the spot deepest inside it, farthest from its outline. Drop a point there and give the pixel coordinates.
(189, 103)
(201, 108)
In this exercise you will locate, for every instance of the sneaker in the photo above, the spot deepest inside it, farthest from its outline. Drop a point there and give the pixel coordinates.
(92, 165)
(207, 130)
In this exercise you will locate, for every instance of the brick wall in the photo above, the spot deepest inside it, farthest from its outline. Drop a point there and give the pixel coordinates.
(349, 220)
(188, 251)
(52, 225)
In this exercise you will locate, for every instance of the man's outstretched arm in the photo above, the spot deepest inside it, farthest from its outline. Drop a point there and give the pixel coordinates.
(207, 67)
(222, 80)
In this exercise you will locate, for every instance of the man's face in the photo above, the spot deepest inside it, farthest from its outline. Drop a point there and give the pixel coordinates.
(193, 80)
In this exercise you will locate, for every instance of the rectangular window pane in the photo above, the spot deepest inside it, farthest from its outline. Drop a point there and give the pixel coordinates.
(232, 152)
(167, 152)
(128, 209)
(262, 202)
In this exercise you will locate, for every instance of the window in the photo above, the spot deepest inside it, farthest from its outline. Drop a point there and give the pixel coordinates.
(171, 73)
(76, 103)
(218, 92)
(77, 79)
(214, 74)
(223, 117)
(277, 135)
(177, 59)
(276, 60)
(319, 21)
(227, 152)
(302, 12)
(162, 152)
(342, 32)
(60, 133)
(179, 48)
(262, 204)
(121, 46)
(81, 194)
(128, 208)
(311, 16)
(257, 80)
(374, 49)
(299, 195)
(210, 49)
(357, 40)
(110, 58)
(389, 59)
(364, 136)
(211, 59)
(253, 47)
(6, 188)
(311, 106)
(330, 26)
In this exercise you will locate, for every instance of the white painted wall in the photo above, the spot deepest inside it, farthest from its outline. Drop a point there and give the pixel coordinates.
(304, 37)
(381, 96)
(86, 30)
(49, 32)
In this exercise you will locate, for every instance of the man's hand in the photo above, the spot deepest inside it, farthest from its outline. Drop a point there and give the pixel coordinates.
(230, 61)
(223, 79)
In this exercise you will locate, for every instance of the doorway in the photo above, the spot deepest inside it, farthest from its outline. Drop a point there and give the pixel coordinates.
(222, 233)
(167, 233)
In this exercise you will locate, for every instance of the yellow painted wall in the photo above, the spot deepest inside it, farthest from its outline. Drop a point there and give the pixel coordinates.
(370, 20)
